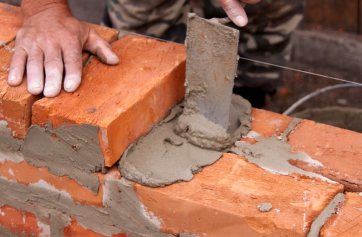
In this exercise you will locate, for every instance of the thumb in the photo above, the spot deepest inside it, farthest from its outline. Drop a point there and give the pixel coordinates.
(98, 46)
(235, 11)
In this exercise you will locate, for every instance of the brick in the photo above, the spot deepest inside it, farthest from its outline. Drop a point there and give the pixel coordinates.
(223, 200)
(347, 221)
(339, 150)
(27, 174)
(124, 101)
(16, 102)
(10, 23)
(75, 229)
(22, 223)
(267, 124)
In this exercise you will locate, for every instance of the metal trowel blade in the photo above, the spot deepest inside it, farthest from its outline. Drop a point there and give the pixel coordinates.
(211, 63)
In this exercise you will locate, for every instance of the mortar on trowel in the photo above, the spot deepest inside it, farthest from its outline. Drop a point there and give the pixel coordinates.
(210, 120)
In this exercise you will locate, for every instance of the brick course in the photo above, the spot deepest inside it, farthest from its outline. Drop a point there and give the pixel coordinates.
(124, 102)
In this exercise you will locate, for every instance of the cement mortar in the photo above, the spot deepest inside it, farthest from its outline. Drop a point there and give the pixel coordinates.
(162, 157)
(201, 132)
(325, 214)
(265, 207)
(73, 150)
(4, 232)
(346, 118)
(123, 211)
(7, 141)
(273, 154)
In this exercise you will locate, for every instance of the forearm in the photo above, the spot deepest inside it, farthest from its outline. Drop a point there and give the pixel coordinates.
(30, 8)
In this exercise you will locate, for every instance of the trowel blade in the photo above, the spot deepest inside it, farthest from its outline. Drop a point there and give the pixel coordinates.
(211, 63)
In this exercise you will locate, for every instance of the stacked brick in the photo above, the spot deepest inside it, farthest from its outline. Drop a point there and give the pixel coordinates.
(58, 159)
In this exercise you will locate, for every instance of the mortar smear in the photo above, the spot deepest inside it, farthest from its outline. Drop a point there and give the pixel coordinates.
(273, 154)
(162, 157)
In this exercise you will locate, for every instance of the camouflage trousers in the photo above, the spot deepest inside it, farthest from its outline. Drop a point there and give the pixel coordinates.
(265, 38)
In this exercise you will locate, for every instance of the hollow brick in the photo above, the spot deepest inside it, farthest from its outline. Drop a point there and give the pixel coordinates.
(10, 23)
(223, 200)
(339, 150)
(347, 221)
(124, 101)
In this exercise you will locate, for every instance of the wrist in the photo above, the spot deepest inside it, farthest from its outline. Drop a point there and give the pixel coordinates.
(30, 8)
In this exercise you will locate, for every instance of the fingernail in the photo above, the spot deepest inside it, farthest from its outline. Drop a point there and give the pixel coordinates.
(240, 21)
(113, 59)
(49, 88)
(35, 85)
(13, 78)
(68, 84)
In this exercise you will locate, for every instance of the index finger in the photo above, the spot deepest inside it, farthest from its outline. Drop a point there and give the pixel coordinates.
(17, 67)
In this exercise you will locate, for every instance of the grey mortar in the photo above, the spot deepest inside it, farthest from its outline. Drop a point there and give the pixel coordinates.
(75, 151)
(273, 154)
(325, 214)
(123, 211)
(57, 222)
(9, 144)
(162, 157)
(4, 232)
(265, 207)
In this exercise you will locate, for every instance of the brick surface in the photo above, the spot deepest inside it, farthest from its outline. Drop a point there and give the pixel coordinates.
(267, 124)
(223, 200)
(124, 101)
(10, 22)
(347, 221)
(75, 229)
(339, 150)
(26, 174)
(22, 223)
(16, 102)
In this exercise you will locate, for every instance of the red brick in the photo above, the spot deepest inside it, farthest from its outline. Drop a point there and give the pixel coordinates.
(339, 150)
(267, 124)
(124, 101)
(347, 221)
(16, 102)
(75, 229)
(223, 200)
(10, 23)
(22, 223)
(26, 174)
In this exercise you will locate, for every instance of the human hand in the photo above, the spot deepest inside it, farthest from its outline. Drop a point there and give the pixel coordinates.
(53, 40)
(235, 10)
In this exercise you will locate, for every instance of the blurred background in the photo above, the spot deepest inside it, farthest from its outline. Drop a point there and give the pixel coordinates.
(328, 42)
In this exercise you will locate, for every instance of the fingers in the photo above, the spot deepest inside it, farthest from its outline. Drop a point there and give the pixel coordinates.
(17, 67)
(53, 71)
(97, 45)
(235, 11)
(34, 71)
(72, 57)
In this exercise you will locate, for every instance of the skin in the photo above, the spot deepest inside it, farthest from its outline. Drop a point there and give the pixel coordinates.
(51, 40)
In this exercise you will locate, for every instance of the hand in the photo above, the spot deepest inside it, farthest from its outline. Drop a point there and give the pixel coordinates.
(53, 39)
(235, 10)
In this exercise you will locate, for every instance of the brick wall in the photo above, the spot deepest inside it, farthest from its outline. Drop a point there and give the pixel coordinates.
(55, 186)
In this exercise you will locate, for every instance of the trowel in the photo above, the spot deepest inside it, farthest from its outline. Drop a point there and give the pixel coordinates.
(211, 63)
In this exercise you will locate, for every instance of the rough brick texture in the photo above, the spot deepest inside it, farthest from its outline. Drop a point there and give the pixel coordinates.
(339, 150)
(223, 200)
(23, 223)
(124, 101)
(10, 22)
(347, 221)
(16, 102)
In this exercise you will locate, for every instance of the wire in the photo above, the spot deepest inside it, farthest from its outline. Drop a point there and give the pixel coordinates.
(317, 92)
